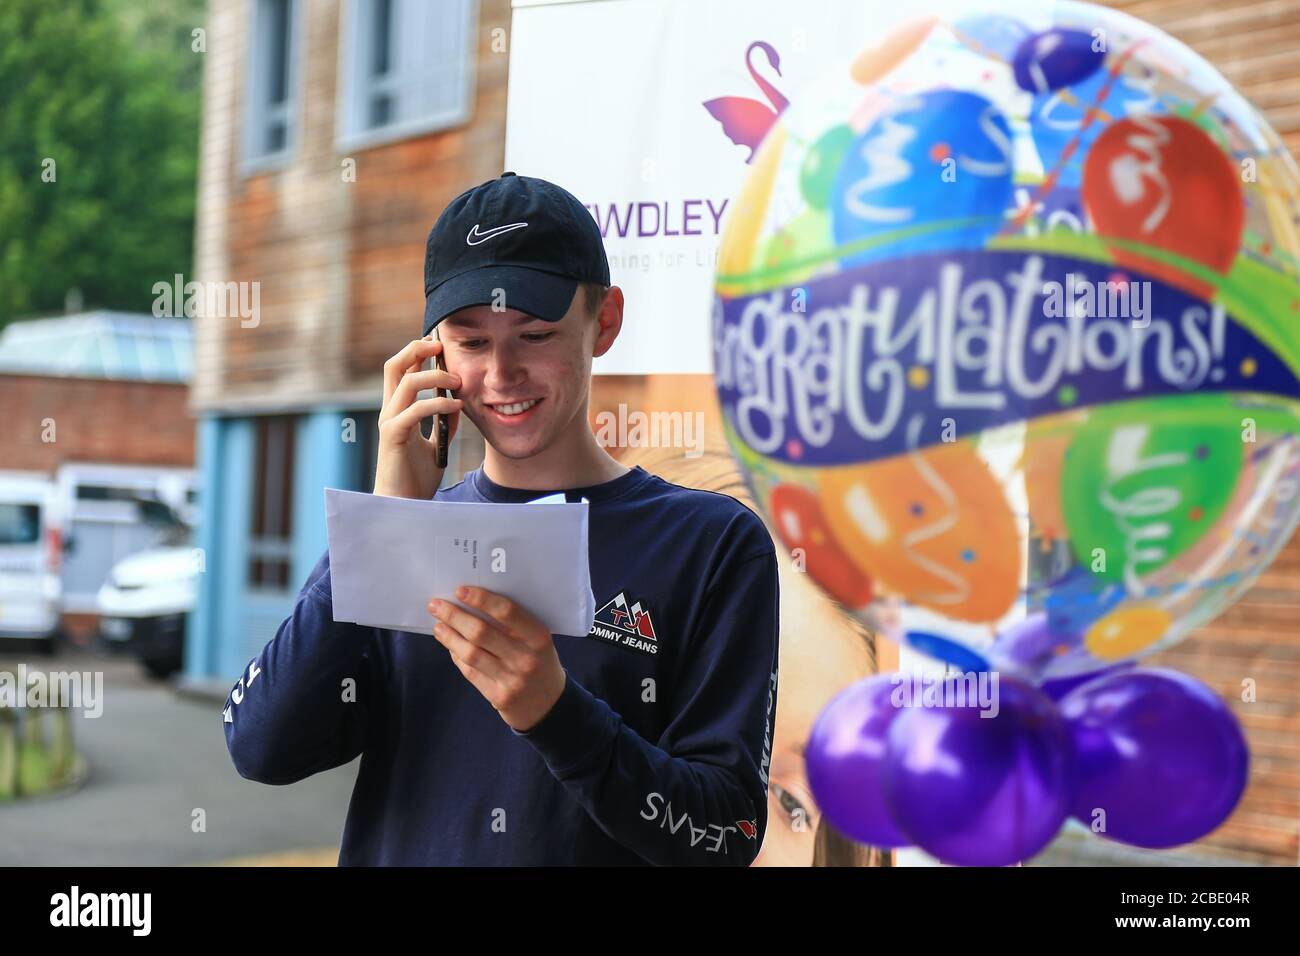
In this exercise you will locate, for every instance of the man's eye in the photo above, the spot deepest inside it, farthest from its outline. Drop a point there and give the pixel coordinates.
(470, 344)
(538, 336)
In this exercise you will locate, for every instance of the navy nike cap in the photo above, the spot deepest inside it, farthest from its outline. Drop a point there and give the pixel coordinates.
(526, 237)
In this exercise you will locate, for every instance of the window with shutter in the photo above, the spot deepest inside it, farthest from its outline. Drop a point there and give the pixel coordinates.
(271, 89)
(407, 68)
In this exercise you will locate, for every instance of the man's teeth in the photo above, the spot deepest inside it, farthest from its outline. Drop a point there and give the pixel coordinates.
(518, 408)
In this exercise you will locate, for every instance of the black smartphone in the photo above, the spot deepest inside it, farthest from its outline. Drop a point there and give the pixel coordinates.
(440, 421)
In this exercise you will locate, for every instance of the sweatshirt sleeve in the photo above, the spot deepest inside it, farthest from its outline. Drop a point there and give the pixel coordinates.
(304, 703)
(698, 795)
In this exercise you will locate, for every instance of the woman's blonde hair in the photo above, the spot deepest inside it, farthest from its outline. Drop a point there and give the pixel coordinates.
(713, 469)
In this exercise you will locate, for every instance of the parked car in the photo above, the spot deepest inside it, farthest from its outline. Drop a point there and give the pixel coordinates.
(31, 551)
(144, 603)
(112, 511)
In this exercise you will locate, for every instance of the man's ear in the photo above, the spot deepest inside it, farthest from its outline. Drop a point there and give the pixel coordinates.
(609, 321)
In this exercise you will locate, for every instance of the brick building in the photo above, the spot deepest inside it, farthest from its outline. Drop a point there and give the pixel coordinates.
(333, 134)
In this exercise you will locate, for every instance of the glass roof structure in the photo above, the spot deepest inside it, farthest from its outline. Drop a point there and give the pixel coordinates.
(101, 344)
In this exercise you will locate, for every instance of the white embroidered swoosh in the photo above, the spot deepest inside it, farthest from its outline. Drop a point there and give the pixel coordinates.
(474, 237)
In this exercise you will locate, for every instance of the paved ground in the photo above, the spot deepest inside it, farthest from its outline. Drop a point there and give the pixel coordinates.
(154, 758)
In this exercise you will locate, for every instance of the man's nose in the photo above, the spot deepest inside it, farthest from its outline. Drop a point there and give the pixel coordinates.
(504, 370)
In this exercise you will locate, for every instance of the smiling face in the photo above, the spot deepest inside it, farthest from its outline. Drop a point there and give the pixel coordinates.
(525, 381)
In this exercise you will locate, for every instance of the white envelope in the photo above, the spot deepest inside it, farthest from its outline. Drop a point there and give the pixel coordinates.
(390, 556)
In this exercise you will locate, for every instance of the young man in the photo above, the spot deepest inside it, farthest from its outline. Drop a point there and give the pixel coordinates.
(646, 740)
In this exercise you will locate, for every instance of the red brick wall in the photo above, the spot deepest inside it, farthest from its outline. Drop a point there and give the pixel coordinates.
(1251, 42)
(97, 420)
(1258, 638)
(262, 250)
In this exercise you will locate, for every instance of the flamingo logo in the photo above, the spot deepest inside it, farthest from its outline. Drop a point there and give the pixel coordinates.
(746, 121)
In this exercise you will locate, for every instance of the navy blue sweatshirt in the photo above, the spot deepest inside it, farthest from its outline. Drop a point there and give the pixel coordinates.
(656, 752)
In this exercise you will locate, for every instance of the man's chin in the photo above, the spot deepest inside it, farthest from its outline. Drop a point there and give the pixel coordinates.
(516, 447)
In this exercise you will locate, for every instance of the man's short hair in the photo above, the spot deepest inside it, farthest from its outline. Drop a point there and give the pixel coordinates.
(593, 293)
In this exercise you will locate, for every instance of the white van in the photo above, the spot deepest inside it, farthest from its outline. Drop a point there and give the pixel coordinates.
(31, 554)
(111, 512)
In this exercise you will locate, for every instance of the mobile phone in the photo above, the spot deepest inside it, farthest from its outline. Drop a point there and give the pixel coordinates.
(440, 421)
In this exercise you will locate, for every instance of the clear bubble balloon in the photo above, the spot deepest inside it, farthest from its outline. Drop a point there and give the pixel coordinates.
(1002, 332)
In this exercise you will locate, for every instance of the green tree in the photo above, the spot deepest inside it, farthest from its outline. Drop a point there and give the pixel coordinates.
(99, 112)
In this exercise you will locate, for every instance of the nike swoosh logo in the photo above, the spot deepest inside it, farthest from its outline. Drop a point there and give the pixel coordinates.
(474, 237)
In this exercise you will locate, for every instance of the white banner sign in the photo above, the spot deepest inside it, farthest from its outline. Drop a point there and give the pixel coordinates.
(648, 112)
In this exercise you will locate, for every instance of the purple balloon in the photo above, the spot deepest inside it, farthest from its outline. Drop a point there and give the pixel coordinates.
(843, 757)
(1055, 58)
(1159, 752)
(981, 790)
(1058, 687)
(1029, 642)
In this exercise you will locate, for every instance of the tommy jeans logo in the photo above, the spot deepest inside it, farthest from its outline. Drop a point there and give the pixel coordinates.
(625, 624)
(475, 236)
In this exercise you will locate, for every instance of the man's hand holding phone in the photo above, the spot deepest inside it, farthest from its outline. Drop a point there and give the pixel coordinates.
(407, 465)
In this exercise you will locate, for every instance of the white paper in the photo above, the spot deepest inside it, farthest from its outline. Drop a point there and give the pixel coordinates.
(390, 556)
